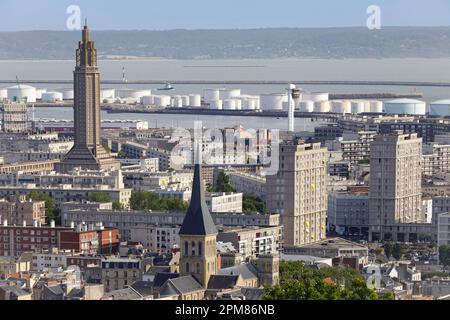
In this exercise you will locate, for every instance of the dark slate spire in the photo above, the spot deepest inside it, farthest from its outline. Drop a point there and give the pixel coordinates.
(198, 220)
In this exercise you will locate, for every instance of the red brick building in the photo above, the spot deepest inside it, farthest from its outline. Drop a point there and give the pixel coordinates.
(14, 240)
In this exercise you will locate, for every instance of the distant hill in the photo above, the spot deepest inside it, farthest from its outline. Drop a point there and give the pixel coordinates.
(392, 42)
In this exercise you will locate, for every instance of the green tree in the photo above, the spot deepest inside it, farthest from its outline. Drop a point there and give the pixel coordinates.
(99, 197)
(253, 204)
(397, 251)
(144, 200)
(444, 255)
(223, 183)
(51, 212)
(388, 249)
(117, 205)
(121, 154)
(301, 282)
(106, 147)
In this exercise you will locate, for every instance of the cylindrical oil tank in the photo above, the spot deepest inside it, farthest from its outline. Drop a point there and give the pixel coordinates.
(195, 100)
(306, 106)
(22, 92)
(67, 93)
(315, 96)
(3, 93)
(133, 93)
(147, 100)
(108, 94)
(405, 106)
(52, 96)
(211, 94)
(229, 104)
(226, 94)
(357, 107)
(337, 106)
(216, 104)
(39, 92)
(272, 102)
(238, 103)
(322, 106)
(376, 106)
(440, 108)
(162, 101)
(185, 100)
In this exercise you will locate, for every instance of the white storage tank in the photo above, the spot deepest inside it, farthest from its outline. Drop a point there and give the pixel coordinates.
(133, 93)
(376, 106)
(272, 102)
(440, 108)
(52, 96)
(238, 103)
(405, 106)
(195, 100)
(185, 100)
(357, 107)
(20, 92)
(315, 96)
(3, 93)
(211, 94)
(215, 104)
(229, 104)
(67, 93)
(226, 94)
(322, 106)
(39, 92)
(108, 94)
(162, 101)
(306, 106)
(147, 100)
(337, 106)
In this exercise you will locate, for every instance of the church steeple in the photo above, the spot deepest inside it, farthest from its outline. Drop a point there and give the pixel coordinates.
(198, 220)
(198, 232)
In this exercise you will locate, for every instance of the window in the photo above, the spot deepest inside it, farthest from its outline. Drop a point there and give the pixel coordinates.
(193, 248)
(187, 267)
(186, 249)
(199, 248)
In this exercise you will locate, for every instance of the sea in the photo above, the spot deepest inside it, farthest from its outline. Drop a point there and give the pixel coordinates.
(421, 70)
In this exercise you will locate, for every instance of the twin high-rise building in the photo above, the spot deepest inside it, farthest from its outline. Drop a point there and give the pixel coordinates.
(87, 152)
(298, 192)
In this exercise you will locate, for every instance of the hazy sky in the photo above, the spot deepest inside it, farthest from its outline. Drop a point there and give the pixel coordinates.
(204, 14)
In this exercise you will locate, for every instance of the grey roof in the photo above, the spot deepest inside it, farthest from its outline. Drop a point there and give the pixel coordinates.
(15, 290)
(181, 285)
(222, 281)
(144, 288)
(162, 277)
(198, 220)
(245, 270)
(124, 294)
(56, 289)
(252, 293)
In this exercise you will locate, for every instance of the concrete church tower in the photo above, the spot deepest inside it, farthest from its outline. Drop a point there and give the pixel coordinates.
(87, 153)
